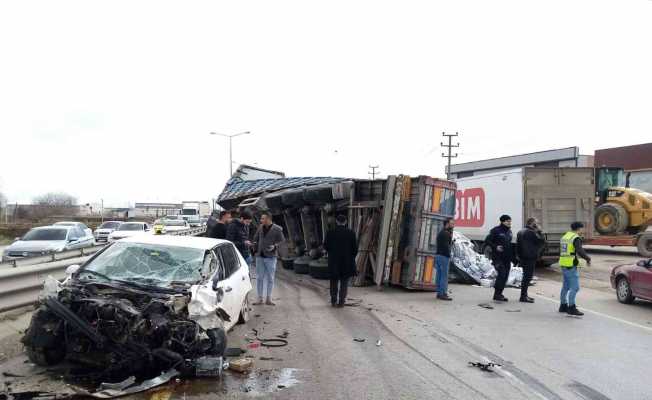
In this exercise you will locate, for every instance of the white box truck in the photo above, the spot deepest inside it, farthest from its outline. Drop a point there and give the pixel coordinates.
(555, 196)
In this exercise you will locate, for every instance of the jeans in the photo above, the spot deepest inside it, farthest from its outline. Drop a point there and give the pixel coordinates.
(342, 290)
(265, 271)
(441, 279)
(571, 285)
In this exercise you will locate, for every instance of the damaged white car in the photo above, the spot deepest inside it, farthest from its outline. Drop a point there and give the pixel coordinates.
(141, 306)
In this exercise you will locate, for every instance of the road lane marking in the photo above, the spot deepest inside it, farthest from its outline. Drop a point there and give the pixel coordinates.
(647, 328)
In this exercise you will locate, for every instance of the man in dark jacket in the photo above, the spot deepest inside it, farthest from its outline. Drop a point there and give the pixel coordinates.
(529, 244)
(500, 240)
(218, 230)
(342, 247)
(268, 238)
(238, 233)
(444, 241)
(210, 223)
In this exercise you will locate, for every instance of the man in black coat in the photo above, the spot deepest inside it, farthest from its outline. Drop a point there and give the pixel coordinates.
(529, 244)
(342, 247)
(502, 254)
(238, 233)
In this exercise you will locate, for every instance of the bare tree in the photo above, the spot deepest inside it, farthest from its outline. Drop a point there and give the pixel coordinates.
(53, 203)
(59, 200)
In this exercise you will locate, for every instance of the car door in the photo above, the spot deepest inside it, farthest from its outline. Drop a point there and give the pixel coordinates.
(74, 238)
(85, 240)
(233, 290)
(644, 281)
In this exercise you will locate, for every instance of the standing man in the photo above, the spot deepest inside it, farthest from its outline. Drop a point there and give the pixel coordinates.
(500, 240)
(238, 233)
(268, 237)
(444, 242)
(210, 223)
(342, 247)
(218, 231)
(529, 243)
(571, 247)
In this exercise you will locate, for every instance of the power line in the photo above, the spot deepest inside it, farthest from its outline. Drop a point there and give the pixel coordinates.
(373, 172)
(449, 146)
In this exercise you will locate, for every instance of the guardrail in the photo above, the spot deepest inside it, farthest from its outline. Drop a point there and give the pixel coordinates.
(20, 286)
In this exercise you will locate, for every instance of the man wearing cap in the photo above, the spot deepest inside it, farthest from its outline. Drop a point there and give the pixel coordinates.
(502, 254)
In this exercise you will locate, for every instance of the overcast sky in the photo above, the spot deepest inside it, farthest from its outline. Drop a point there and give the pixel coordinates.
(115, 100)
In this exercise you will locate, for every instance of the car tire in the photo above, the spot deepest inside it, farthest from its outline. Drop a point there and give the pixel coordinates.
(624, 291)
(245, 311)
(42, 345)
(319, 269)
(218, 341)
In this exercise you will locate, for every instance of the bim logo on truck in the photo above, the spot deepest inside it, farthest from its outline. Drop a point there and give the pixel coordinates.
(469, 208)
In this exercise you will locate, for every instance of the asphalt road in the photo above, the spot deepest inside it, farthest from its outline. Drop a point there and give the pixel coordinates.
(426, 345)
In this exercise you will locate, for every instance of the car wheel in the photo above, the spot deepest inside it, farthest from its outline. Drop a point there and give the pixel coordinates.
(218, 341)
(624, 291)
(244, 311)
(44, 357)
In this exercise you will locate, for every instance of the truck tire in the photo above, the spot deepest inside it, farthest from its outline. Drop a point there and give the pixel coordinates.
(611, 219)
(644, 245)
(319, 269)
(302, 265)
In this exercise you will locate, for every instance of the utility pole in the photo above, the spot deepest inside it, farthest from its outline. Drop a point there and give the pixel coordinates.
(450, 146)
(373, 172)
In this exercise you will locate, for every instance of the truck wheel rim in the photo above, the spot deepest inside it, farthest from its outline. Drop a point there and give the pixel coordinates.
(606, 220)
(623, 290)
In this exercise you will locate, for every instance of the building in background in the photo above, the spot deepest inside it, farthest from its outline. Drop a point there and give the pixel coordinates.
(155, 210)
(568, 157)
(636, 160)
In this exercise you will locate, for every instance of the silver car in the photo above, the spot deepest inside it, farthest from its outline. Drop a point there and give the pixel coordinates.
(47, 240)
(103, 231)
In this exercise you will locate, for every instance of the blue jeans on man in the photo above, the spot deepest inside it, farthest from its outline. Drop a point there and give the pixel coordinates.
(265, 272)
(441, 277)
(570, 286)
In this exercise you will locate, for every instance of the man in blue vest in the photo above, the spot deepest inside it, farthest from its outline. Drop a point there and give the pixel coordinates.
(570, 249)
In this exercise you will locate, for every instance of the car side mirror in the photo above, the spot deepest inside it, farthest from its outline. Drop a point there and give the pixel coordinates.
(71, 270)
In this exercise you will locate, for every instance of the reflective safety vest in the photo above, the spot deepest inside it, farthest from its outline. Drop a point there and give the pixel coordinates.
(567, 255)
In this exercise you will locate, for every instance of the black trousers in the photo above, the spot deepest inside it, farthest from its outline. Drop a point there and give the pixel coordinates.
(528, 273)
(339, 286)
(502, 268)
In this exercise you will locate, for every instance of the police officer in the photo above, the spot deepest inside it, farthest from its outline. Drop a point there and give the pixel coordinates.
(503, 255)
(571, 248)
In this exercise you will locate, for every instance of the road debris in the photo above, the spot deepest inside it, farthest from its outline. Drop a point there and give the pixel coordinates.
(242, 365)
(484, 366)
(359, 340)
(270, 359)
(234, 352)
(514, 310)
(486, 305)
(379, 343)
(109, 393)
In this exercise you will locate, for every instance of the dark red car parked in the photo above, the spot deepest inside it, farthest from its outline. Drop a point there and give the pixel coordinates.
(633, 281)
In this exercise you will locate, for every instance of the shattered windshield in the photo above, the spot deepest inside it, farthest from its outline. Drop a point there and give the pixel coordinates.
(148, 264)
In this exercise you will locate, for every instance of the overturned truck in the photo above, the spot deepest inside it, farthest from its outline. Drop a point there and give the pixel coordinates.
(396, 221)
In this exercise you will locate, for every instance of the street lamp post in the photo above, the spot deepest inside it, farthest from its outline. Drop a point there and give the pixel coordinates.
(230, 147)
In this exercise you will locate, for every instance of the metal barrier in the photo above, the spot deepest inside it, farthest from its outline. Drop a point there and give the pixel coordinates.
(20, 286)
